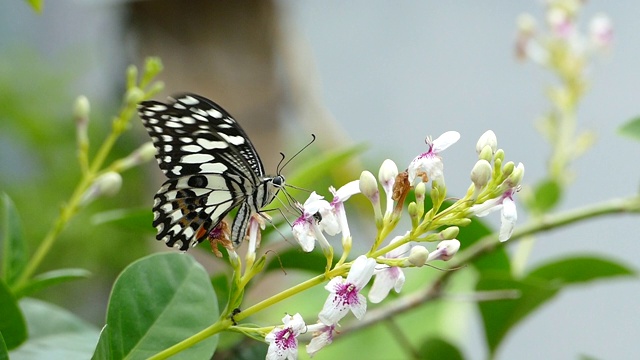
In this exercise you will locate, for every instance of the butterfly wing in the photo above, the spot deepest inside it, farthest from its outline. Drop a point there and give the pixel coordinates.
(210, 162)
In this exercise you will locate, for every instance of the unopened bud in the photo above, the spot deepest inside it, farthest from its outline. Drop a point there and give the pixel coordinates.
(517, 175)
(507, 169)
(387, 175)
(134, 95)
(449, 233)
(445, 250)
(487, 139)
(144, 153)
(369, 188)
(107, 184)
(481, 173)
(526, 24)
(418, 256)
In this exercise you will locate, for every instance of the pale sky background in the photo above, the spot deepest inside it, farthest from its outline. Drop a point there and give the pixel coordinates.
(394, 72)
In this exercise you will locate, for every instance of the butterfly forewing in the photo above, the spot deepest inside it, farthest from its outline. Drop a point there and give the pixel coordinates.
(211, 165)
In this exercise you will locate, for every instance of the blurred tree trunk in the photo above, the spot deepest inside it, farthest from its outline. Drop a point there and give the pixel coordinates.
(223, 50)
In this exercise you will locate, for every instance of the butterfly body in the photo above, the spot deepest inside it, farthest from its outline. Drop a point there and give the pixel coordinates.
(211, 166)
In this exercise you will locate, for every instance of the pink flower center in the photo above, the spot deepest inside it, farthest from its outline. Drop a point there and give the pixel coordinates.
(285, 339)
(346, 294)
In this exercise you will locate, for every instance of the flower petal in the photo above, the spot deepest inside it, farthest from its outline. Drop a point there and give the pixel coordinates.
(509, 218)
(361, 271)
(445, 140)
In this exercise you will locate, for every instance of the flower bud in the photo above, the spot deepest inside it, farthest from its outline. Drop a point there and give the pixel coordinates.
(387, 175)
(487, 139)
(81, 110)
(445, 250)
(486, 153)
(507, 169)
(106, 184)
(526, 24)
(418, 256)
(134, 95)
(369, 188)
(481, 173)
(517, 175)
(449, 233)
(144, 153)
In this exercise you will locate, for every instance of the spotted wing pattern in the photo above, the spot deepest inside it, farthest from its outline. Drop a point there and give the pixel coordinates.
(211, 167)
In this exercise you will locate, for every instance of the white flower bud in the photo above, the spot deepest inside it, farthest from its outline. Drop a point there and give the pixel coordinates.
(445, 250)
(107, 184)
(418, 256)
(369, 188)
(481, 173)
(487, 139)
(144, 153)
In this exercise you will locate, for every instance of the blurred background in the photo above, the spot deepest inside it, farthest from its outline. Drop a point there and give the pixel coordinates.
(382, 73)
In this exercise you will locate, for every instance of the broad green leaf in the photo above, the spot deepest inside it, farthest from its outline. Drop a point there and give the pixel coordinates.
(137, 219)
(546, 196)
(538, 287)
(500, 316)
(12, 323)
(157, 302)
(51, 278)
(492, 261)
(4, 353)
(631, 129)
(102, 350)
(437, 348)
(14, 254)
(54, 333)
(220, 284)
(578, 270)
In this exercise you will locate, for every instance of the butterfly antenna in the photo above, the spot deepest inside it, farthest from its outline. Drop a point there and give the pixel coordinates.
(280, 168)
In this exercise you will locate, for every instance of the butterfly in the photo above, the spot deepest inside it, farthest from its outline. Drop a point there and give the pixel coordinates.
(211, 166)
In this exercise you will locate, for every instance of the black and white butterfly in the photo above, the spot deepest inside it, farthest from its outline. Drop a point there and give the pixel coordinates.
(212, 168)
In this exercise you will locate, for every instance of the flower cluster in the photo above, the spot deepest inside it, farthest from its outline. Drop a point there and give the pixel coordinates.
(563, 43)
(494, 184)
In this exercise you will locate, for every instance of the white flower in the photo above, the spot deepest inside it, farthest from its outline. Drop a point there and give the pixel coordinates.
(388, 277)
(430, 163)
(509, 214)
(339, 197)
(317, 216)
(601, 31)
(322, 336)
(283, 340)
(345, 294)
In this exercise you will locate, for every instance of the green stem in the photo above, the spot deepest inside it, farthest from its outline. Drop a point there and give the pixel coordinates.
(71, 208)
(219, 326)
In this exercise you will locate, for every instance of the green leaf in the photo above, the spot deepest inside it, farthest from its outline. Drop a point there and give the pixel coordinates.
(14, 257)
(102, 350)
(546, 196)
(36, 5)
(51, 278)
(437, 348)
(54, 333)
(12, 323)
(4, 353)
(631, 129)
(579, 269)
(157, 302)
(538, 287)
(500, 316)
